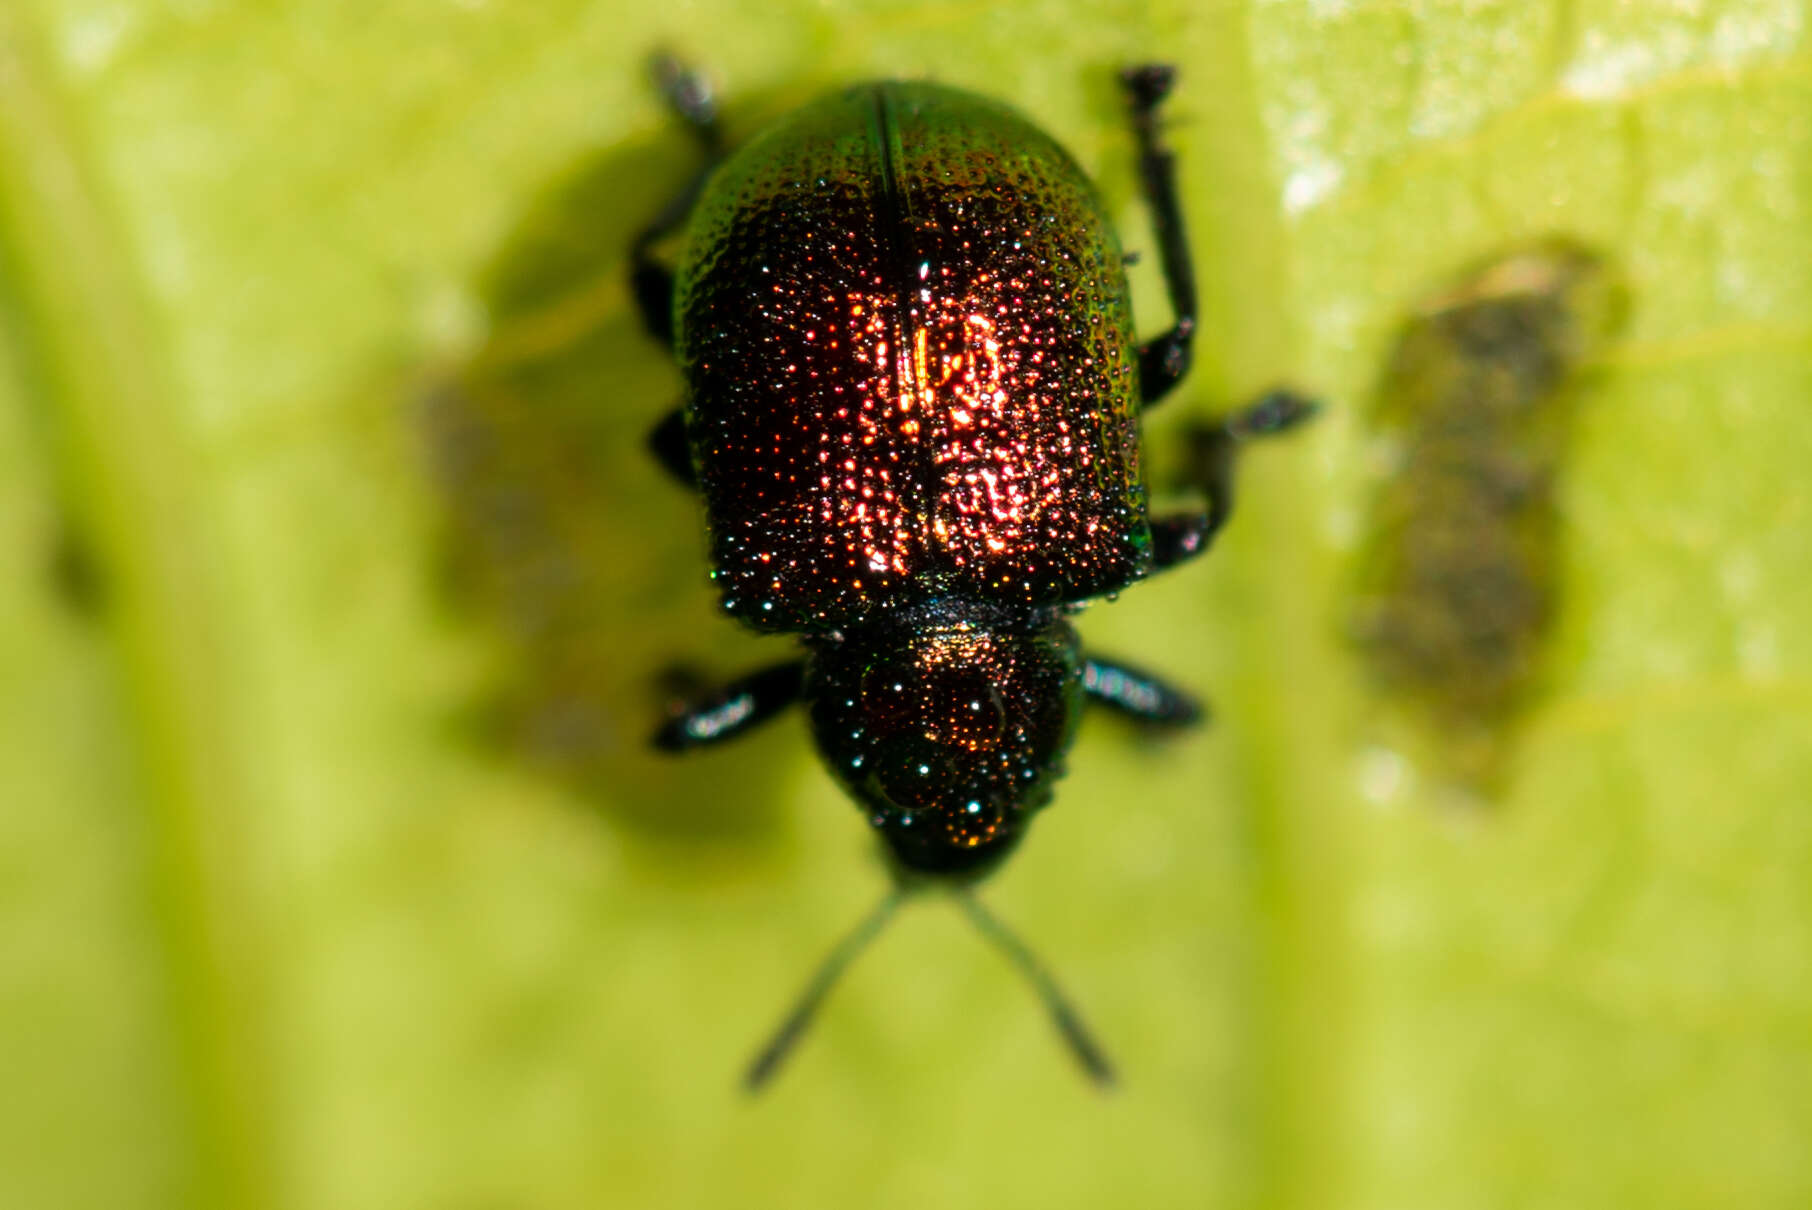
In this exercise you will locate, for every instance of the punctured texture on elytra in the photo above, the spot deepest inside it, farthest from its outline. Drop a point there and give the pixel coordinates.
(904, 324)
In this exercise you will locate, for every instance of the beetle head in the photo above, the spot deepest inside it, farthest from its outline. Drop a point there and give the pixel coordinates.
(949, 730)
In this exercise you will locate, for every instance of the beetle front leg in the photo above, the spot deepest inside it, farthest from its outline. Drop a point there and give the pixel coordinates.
(735, 709)
(650, 281)
(1138, 695)
(1164, 361)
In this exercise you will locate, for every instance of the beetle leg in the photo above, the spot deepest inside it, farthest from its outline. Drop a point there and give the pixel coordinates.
(1214, 448)
(667, 442)
(1138, 695)
(737, 707)
(689, 95)
(1164, 361)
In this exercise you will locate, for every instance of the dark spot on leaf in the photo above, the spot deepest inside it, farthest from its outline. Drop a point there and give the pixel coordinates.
(563, 539)
(1459, 582)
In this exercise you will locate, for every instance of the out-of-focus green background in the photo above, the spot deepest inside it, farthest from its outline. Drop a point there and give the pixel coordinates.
(318, 890)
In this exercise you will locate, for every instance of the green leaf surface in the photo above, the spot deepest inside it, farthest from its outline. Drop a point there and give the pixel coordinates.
(333, 873)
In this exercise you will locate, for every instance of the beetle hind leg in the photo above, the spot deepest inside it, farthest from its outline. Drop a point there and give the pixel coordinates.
(1162, 362)
(689, 96)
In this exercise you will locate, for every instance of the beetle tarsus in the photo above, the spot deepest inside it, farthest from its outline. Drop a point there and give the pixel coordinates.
(1179, 537)
(1148, 84)
(689, 94)
(690, 97)
(1138, 695)
(1276, 412)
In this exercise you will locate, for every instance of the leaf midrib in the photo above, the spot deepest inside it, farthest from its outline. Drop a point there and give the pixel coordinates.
(1295, 1004)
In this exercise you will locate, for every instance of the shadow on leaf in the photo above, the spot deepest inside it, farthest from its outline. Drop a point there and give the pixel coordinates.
(566, 539)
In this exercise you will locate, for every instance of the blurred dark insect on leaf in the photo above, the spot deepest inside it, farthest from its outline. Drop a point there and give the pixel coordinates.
(1459, 582)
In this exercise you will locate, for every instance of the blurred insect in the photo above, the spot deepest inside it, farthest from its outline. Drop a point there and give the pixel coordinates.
(1459, 585)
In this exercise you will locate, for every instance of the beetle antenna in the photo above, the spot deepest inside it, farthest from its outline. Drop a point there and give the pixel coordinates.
(768, 1061)
(1076, 1036)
